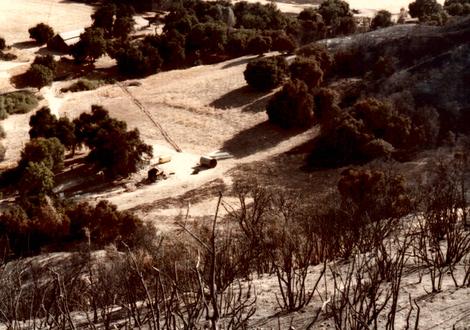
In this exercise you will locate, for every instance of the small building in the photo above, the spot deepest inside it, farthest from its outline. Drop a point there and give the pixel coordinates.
(62, 42)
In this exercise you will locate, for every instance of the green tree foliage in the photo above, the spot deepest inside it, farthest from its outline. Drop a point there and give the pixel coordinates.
(92, 45)
(369, 129)
(319, 53)
(292, 107)
(237, 42)
(341, 137)
(259, 45)
(44, 124)
(37, 179)
(115, 20)
(181, 21)
(171, 46)
(307, 70)
(382, 19)
(310, 14)
(424, 9)
(265, 73)
(49, 152)
(383, 67)
(112, 147)
(17, 102)
(14, 223)
(283, 43)
(312, 26)
(333, 10)
(47, 61)
(383, 122)
(42, 33)
(123, 26)
(104, 223)
(457, 7)
(345, 25)
(138, 60)
(326, 100)
(208, 38)
(258, 16)
(103, 18)
(26, 231)
(39, 76)
(65, 132)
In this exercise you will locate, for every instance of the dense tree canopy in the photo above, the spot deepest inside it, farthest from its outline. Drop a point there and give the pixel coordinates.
(39, 76)
(113, 148)
(382, 19)
(91, 46)
(44, 124)
(37, 179)
(424, 9)
(138, 60)
(42, 33)
(333, 10)
(48, 151)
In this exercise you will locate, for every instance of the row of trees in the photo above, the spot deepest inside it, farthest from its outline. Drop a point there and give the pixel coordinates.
(199, 32)
(203, 32)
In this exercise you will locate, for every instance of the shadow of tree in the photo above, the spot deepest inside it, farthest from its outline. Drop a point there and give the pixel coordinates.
(260, 137)
(20, 81)
(45, 51)
(258, 105)
(25, 44)
(239, 97)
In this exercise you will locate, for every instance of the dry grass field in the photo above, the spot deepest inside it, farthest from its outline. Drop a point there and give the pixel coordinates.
(61, 15)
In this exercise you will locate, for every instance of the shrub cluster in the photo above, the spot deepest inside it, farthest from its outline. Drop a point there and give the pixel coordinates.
(39, 76)
(41, 72)
(17, 102)
(58, 227)
(382, 19)
(369, 129)
(266, 73)
(83, 85)
(292, 107)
